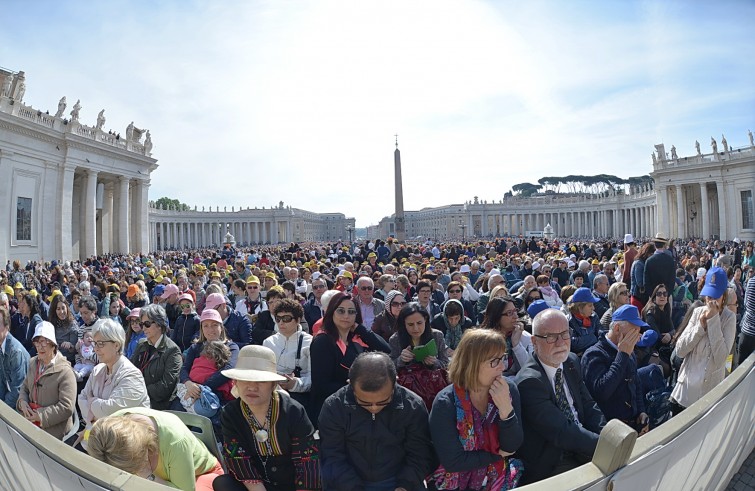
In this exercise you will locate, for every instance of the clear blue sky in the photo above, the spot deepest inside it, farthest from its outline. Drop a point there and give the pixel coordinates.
(250, 103)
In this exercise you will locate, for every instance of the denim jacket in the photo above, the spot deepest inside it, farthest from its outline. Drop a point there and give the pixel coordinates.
(14, 363)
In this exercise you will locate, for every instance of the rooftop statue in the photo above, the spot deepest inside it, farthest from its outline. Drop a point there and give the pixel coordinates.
(749, 134)
(714, 145)
(724, 143)
(101, 119)
(61, 107)
(130, 131)
(148, 144)
(76, 110)
(673, 153)
(20, 90)
(697, 146)
(6, 86)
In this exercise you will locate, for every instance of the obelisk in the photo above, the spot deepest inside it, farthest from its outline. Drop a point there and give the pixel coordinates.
(400, 226)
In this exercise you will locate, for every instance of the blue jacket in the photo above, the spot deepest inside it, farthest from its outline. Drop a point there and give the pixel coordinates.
(131, 346)
(312, 312)
(185, 331)
(238, 328)
(14, 363)
(611, 377)
(583, 337)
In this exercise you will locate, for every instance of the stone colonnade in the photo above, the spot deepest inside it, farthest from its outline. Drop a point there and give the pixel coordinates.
(197, 233)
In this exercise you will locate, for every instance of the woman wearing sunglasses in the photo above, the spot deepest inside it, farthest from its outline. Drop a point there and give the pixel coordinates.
(475, 422)
(342, 338)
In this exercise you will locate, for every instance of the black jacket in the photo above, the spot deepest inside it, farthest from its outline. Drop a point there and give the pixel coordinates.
(659, 268)
(160, 367)
(357, 447)
(185, 331)
(547, 431)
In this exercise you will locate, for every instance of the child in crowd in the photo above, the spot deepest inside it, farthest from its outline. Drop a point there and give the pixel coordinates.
(85, 357)
(215, 355)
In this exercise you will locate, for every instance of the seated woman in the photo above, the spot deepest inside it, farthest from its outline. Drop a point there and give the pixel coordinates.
(291, 346)
(452, 323)
(657, 313)
(618, 295)
(385, 321)
(501, 315)
(26, 320)
(583, 321)
(550, 295)
(112, 307)
(48, 394)
(157, 357)
(413, 330)
(155, 445)
(334, 349)
(201, 369)
(475, 423)
(265, 325)
(134, 332)
(66, 329)
(115, 383)
(265, 431)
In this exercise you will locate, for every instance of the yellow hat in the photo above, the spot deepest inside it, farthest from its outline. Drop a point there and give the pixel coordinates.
(347, 274)
(54, 294)
(159, 279)
(252, 279)
(9, 290)
(33, 292)
(215, 274)
(18, 286)
(270, 274)
(595, 261)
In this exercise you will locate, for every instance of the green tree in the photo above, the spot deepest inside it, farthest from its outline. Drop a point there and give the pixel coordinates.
(165, 203)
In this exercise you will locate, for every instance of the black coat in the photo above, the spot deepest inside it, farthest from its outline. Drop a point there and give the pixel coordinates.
(659, 268)
(547, 430)
(160, 367)
(357, 447)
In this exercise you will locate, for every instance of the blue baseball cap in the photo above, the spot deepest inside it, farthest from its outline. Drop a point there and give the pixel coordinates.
(648, 338)
(629, 313)
(583, 295)
(158, 291)
(536, 307)
(716, 283)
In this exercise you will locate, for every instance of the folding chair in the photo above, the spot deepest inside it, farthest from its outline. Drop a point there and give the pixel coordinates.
(202, 429)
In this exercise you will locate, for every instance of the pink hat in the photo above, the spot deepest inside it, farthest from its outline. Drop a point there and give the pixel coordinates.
(213, 300)
(170, 290)
(211, 315)
(185, 296)
(134, 314)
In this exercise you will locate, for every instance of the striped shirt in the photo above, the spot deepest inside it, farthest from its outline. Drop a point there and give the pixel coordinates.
(748, 320)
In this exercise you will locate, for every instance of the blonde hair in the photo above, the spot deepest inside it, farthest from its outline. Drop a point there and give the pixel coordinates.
(122, 442)
(576, 307)
(496, 292)
(476, 346)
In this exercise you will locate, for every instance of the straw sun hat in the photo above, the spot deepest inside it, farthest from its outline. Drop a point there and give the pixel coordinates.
(255, 364)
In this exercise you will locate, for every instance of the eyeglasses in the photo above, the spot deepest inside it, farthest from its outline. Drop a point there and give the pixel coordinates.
(398, 304)
(101, 344)
(185, 305)
(42, 343)
(510, 313)
(146, 324)
(319, 287)
(661, 294)
(343, 311)
(366, 288)
(552, 338)
(284, 319)
(495, 362)
(454, 291)
(623, 292)
(253, 287)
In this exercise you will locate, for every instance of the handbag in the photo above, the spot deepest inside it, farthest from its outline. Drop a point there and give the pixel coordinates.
(424, 381)
(302, 398)
(305, 455)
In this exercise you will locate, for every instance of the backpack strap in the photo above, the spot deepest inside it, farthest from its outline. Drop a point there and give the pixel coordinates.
(298, 349)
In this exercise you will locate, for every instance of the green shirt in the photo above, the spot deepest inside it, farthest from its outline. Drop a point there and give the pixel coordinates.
(183, 456)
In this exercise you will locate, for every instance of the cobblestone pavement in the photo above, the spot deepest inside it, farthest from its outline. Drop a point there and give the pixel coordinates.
(744, 479)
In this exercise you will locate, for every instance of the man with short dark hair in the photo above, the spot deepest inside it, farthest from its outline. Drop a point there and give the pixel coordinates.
(660, 267)
(424, 298)
(374, 433)
(560, 419)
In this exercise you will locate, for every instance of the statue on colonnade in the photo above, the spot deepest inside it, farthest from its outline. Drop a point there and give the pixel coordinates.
(101, 119)
(61, 107)
(76, 110)
(714, 145)
(724, 143)
(697, 146)
(148, 144)
(5, 92)
(673, 153)
(130, 131)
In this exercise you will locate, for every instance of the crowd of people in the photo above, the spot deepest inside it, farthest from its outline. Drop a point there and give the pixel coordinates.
(371, 365)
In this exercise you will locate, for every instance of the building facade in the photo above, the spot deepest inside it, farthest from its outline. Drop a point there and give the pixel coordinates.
(68, 190)
(706, 196)
(178, 229)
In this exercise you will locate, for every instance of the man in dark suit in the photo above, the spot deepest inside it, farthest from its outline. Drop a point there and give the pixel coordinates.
(660, 267)
(561, 421)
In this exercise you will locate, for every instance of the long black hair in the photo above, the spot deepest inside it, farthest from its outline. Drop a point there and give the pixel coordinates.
(494, 312)
(403, 336)
(328, 325)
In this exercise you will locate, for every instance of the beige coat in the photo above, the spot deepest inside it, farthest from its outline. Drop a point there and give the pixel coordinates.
(56, 393)
(704, 354)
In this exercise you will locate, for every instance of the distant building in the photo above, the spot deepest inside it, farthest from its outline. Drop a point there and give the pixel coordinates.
(705, 196)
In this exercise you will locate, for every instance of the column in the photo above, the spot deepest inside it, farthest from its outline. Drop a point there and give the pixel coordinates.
(680, 212)
(123, 218)
(723, 232)
(65, 216)
(704, 209)
(107, 219)
(663, 209)
(90, 215)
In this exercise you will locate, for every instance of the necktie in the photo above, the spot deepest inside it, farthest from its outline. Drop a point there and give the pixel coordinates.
(561, 401)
